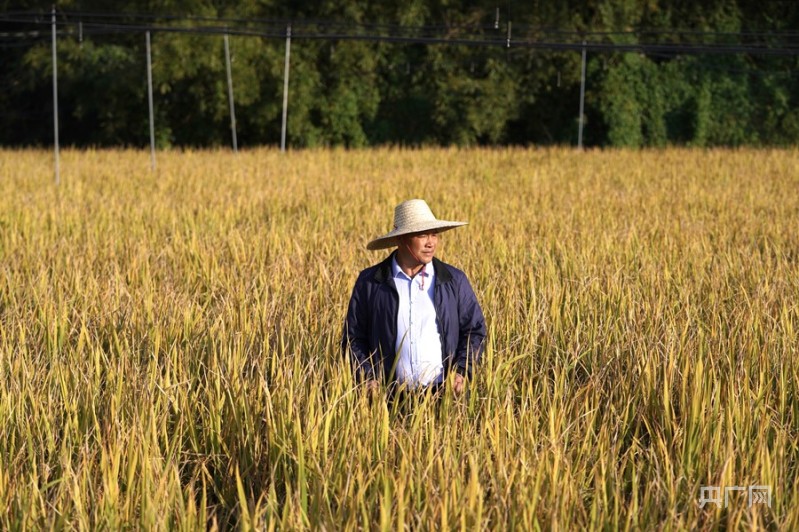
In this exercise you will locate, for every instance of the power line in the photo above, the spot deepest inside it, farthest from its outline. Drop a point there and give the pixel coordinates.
(517, 27)
(530, 38)
(592, 46)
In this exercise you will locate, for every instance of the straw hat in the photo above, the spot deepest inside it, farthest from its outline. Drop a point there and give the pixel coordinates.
(412, 216)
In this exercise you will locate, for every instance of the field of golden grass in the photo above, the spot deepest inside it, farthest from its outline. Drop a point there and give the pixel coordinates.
(169, 341)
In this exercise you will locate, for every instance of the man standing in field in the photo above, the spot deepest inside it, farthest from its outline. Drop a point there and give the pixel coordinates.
(412, 319)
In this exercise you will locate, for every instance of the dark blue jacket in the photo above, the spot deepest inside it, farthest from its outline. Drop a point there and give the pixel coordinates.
(370, 331)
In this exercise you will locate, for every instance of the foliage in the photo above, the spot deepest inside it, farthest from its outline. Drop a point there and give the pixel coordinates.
(358, 93)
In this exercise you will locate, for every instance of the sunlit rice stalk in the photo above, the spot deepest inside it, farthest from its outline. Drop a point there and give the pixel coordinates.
(169, 342)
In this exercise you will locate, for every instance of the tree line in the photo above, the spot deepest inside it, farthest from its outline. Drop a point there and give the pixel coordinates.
(358, 93)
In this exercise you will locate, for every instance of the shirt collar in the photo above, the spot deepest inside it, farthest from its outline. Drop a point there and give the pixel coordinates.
(428, 271)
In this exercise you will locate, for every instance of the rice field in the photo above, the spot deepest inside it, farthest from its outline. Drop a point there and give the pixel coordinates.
(169, 341)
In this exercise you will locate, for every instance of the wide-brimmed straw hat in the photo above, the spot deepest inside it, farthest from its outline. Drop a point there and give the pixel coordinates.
(412, 216)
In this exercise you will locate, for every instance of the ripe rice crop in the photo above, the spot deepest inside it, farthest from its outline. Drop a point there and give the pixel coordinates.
(169, 341)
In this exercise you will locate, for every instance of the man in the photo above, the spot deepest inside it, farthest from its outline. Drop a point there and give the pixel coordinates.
(413, 319)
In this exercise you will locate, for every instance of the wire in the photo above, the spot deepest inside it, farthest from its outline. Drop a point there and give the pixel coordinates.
(44, 17)
(413, 35)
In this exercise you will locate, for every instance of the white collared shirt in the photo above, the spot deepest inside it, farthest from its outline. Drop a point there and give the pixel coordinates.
(418, 340)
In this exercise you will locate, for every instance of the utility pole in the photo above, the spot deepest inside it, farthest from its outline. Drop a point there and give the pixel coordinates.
(230, 94)
(582, 102)
(55, 104)
(150, 101)
(285, 88)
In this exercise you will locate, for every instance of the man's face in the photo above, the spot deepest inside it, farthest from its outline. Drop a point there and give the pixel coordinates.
(421, 246)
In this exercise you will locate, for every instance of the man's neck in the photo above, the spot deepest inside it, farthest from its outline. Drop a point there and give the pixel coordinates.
(409, 265)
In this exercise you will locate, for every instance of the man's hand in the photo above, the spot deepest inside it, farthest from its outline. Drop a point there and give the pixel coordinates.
(372, 386)
(458, 384)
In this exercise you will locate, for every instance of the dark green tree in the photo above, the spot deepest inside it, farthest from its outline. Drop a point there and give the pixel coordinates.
(359, 93)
